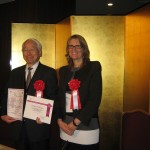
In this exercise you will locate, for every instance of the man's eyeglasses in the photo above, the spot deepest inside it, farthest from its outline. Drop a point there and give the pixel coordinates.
(78, 47)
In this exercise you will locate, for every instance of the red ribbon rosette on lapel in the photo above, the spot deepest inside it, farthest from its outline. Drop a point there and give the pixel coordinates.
(39, 86)
(74, 84)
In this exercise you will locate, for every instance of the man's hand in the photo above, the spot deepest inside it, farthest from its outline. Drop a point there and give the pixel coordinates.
(8, 119)
(38, 121)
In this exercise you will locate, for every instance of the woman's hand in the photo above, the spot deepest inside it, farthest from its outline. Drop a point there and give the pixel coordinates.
(64, 126)
(74, 124)
(72, 127)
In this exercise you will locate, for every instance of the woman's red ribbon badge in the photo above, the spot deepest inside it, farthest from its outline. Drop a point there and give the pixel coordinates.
(39, 86)
(74, 84)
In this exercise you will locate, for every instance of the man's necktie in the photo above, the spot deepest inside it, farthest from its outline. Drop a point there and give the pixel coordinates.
(28, 77)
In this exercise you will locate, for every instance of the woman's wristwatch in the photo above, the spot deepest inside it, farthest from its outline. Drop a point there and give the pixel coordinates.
(75, 124)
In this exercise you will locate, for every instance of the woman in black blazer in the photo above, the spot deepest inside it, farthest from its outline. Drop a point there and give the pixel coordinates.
(80, 91)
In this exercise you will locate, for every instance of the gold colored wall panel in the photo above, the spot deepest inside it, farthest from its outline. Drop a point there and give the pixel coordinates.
(45, 33)
(137, 60)
(105, 37)
(63, 31)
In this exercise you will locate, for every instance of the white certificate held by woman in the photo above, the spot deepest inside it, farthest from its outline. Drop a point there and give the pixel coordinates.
(15, 103)
(38, 107)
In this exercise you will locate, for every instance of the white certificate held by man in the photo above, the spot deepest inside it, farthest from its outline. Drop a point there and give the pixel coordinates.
(15, 103)
(38, 107)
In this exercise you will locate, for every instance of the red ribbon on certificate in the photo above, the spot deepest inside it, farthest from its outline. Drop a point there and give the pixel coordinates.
(48, 110)
(48, 106)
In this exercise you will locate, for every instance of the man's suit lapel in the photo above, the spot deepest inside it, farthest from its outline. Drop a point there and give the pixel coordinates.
(21, 78)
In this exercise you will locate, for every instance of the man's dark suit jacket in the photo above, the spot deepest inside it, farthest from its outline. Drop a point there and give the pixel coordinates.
(35, 131)
(90, 91)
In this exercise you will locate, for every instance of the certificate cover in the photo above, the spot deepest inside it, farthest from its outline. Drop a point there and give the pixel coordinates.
(38, 107)
(15, 103)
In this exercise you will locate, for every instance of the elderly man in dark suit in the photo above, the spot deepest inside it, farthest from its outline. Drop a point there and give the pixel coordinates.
(30, 134)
